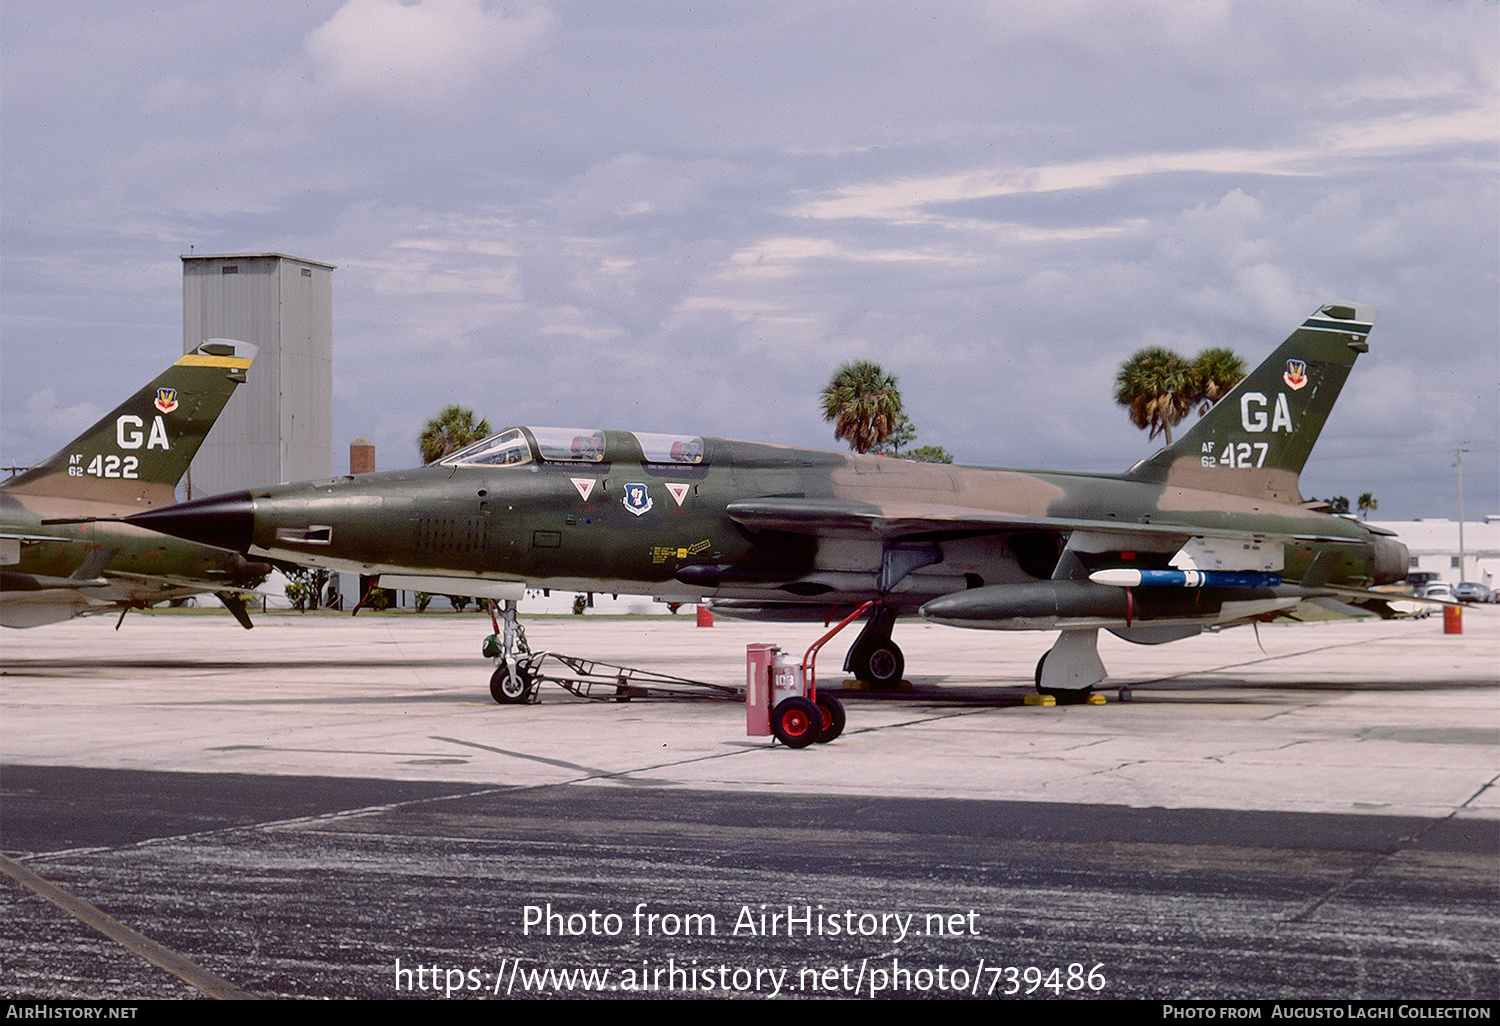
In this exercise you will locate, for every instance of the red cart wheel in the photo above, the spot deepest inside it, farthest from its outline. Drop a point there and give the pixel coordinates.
(833, 718)
(796, 722)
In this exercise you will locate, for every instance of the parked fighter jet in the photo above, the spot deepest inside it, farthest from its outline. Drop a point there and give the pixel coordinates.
(130, 460)
(1208, 532)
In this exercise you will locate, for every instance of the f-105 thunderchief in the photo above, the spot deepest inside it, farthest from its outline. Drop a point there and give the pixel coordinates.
(1209, 532)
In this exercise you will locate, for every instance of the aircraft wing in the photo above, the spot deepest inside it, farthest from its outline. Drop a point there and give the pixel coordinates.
(844, 518)
(29, 600)
(14, 582)
(1344, 604)
(119, 586)
(197, 585)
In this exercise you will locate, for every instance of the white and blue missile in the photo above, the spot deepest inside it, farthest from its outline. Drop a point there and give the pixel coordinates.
(1127, 578)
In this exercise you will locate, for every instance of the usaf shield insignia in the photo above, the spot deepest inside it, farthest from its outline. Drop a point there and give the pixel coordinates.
(166, 399)
(637, 499)
(1296, 374)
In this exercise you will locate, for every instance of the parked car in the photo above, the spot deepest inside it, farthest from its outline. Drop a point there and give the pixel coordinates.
(1473, 591)
(1430, 589)
(1437, 589)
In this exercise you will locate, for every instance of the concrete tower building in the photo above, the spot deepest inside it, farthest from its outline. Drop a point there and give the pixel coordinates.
(279, 425)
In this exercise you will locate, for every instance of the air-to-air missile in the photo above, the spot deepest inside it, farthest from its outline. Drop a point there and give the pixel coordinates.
(788, 533)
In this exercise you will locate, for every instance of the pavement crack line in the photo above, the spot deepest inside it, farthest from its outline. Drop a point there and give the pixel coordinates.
(1381, 858)
(626, 775)
(210, 983)
(1256, 662)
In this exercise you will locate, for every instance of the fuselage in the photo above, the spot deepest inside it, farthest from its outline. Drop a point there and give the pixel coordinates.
(606, 516)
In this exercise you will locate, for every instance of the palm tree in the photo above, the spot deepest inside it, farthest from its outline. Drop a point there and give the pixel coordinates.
(1215, 372)
(449, 431)
(863, 403)
(1367, 504)
(1156, 386)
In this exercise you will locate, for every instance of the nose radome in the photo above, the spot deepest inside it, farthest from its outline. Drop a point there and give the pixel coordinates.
(226, 521)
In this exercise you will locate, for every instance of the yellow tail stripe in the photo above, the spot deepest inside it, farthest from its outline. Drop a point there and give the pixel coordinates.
(204, 360)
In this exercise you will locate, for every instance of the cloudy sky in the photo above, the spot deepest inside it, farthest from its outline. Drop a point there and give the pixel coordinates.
(678, 216)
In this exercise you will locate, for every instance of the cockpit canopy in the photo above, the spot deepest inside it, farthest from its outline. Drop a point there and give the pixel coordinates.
(505, 449)
(670, 448)
(515, 446)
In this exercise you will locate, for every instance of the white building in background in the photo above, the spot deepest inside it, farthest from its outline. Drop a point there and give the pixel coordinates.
(1434, 547)
(278, 426)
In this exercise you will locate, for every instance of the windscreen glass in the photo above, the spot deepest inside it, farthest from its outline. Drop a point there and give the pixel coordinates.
(508, 448)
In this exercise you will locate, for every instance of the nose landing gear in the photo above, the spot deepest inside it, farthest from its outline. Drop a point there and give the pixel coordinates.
(520, 672)
(513, 681)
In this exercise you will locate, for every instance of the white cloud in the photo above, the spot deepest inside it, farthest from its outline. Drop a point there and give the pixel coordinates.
(43, 418)
(417, 55)
(911, 199)
(783, 256)
(633, 209)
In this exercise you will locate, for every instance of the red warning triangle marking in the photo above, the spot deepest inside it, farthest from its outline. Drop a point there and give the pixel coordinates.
(679, 491)
(585, 485)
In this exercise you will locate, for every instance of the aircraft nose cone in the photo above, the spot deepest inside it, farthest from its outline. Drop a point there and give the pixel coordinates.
(227, 521)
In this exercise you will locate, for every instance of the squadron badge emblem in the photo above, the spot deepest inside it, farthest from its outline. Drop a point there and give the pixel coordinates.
(637, 499)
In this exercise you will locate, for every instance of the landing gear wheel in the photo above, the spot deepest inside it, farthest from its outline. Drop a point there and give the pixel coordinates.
(1063, 696)
(796, 722)
(507, 691)
(833, 718)
(880, 664)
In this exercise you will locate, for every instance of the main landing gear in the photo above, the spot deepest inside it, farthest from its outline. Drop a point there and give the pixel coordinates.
(1070, 669)
(874, 657)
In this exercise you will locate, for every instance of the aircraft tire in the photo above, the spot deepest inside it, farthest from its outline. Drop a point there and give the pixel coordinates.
(796, 722)
(503, 691)
(1064, 696)
(833, 718)
(881, 664)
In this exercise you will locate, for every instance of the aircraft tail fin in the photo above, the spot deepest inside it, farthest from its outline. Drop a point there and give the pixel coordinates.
(1256, 439)
(135, 455)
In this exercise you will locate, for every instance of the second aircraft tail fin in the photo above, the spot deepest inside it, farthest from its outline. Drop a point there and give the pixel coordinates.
(135, 455)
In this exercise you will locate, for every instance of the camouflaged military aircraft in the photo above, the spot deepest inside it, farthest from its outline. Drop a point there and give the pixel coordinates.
(130, 460)
(1209, 532)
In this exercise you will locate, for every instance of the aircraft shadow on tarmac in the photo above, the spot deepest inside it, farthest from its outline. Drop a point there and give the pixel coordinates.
(1200, 687)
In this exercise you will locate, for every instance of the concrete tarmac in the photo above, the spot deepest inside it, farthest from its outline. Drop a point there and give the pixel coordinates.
(311, 807)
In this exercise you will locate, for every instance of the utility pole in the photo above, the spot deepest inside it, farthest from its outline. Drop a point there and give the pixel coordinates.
(1459, 452)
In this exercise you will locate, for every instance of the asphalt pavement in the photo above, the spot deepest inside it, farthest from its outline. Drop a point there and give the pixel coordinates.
(334, 807)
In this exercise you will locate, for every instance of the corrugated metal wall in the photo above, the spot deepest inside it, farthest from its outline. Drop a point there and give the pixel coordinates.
(279, 425)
